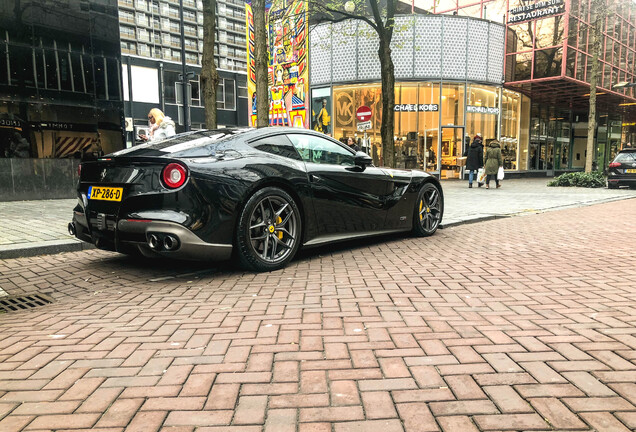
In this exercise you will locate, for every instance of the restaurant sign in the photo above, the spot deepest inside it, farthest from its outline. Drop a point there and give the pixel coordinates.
(540, 9)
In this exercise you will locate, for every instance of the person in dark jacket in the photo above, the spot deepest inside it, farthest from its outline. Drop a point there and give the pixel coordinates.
(492, 162)
(474, 160)
(352, 144)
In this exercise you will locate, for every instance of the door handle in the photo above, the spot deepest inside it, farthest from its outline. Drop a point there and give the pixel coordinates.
(314, 178)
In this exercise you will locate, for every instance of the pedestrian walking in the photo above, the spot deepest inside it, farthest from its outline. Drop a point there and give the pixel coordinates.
(160, 126)
(492, 162)
(474, 160)
(352, 144)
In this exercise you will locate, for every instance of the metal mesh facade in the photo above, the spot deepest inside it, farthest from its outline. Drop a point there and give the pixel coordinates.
(423, 47)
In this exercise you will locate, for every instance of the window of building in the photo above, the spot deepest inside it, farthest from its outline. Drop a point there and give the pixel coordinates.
(225, 94)
(241, 89)
(169, 89)
(452, 104)
(195, 92)
(482, 112)
(547, 63)
(549, 32)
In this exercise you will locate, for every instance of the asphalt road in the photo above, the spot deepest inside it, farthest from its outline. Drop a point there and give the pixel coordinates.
(521, 323)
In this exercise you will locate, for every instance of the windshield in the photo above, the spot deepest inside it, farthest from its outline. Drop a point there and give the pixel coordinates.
(188, 144)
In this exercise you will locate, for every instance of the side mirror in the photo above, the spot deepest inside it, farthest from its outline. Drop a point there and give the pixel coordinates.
(362, 160)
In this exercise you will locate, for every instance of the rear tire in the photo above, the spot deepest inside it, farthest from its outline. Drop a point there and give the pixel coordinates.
(428, 210)
(269, 230)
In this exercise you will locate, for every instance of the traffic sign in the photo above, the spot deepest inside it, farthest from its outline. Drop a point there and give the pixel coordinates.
(363, 113)
(362, 126)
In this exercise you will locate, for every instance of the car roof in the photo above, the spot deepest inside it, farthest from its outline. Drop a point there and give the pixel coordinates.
(628, 150)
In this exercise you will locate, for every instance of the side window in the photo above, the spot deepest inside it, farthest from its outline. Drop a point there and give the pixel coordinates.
(319, 150)
(278, 145)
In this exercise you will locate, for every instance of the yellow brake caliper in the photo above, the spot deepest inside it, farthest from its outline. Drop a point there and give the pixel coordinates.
(421, 205)
(279, 233)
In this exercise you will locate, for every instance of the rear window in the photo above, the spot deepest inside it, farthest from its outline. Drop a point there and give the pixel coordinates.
(189, 144)
(626, 157)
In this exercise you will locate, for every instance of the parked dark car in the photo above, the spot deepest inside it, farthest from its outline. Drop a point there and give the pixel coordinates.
(622, 171)
(258, 193)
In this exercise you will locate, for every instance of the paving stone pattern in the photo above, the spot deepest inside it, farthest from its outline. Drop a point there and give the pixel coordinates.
(523, 323)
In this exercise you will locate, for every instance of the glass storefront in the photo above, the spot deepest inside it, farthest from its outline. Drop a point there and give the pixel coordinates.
(432, 121)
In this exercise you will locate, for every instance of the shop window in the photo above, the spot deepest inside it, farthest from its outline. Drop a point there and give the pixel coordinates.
(21, 65)
(452, 104)
(428, 127)
(65, 72)
(549, 32)
(482, 111)
(547, 63)
(50, 67)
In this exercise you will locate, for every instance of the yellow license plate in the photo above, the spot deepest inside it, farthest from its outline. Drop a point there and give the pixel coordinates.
(630, 171)
(105, 193)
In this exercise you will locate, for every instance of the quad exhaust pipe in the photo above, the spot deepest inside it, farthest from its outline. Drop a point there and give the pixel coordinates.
(163, 242)
(170, 243)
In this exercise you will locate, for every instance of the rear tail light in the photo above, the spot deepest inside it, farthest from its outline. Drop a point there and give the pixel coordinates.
(79, 170)
(615, 165)
(174, 175)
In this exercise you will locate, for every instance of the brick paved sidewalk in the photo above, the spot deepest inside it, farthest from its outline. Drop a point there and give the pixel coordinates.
(36, 227)
(524, 323)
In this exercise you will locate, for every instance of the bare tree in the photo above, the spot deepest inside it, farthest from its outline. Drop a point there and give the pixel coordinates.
(382, 21)
(261, 63)
(209, 74)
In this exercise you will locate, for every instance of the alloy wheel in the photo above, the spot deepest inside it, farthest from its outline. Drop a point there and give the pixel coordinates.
(273, 229)
(430, 209)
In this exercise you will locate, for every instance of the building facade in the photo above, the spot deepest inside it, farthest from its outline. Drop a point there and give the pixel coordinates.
(60, 92)
(534, 101)
(150, 32)
(449, 74)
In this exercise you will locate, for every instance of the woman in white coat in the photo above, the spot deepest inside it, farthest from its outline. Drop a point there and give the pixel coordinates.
(161, 127)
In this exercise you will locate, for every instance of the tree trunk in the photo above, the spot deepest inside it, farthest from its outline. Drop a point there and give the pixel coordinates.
(591, 119)
(261, 63)
(387, 73)
(209, 74)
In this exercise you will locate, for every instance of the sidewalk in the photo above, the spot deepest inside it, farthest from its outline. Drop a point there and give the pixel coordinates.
(32, 228)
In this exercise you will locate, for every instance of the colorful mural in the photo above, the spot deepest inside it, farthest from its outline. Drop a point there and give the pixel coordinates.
(287, 69)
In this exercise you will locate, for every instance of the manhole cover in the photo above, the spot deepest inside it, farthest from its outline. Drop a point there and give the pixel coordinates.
(16, 303)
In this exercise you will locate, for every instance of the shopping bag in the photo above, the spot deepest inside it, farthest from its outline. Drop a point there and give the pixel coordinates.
(500, 173)
(481, 175)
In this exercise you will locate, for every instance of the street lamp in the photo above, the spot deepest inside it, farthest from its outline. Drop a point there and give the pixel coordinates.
(623, 84)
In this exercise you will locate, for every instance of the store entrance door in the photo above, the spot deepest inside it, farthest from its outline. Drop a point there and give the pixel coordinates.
(451, 148)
